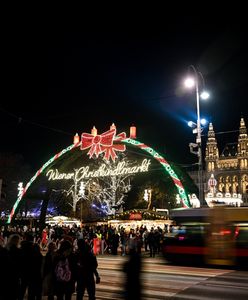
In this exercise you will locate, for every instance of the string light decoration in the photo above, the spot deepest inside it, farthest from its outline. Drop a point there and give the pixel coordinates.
(168, 169)
(145, 215)
(20, 189)
(76, 139)
(82, 189)
(36, 175)
(132, 132)
(119, 139)
(104, 193)
(113, 190)
(103, 143)
(146, 195)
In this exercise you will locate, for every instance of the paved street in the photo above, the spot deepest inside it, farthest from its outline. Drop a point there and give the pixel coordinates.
(163, 281)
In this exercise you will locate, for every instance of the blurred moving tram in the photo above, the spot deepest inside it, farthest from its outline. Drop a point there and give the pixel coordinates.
(212, 236)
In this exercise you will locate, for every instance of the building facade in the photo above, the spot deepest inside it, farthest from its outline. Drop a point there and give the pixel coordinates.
(230, 168)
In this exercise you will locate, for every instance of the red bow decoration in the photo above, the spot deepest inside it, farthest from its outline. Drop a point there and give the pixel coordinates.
(103, 143)
(110, 151)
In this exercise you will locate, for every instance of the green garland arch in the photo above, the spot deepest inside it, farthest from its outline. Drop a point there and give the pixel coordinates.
(168, 169)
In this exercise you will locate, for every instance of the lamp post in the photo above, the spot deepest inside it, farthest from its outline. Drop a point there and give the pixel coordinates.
(190, 82)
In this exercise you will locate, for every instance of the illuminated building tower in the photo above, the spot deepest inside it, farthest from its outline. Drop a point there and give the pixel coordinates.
(242, 145)
(242, 156)
(212, 152)
(231, 167)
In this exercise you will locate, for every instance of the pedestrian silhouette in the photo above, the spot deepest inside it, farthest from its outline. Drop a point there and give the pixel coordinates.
(64, 268)
(11, 271)
(35, 283)
(27, 252)
(48, 276)
(132, 269)
(151, 239)
(86, 271)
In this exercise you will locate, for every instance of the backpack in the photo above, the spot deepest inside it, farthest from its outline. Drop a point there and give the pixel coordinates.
(62, 271)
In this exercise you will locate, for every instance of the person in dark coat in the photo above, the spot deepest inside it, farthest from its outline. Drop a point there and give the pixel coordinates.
(5, 272)
(26, 263)
(48, 276)
(132, 269)
(115, 240)
(86, 271)
(35, 282)
(64, 283)
(13, 267)
(151, 239)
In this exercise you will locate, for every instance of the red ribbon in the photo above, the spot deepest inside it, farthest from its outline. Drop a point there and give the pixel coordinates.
(103, 143)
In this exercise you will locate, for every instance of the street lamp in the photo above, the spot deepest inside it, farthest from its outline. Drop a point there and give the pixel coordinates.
(189, 83)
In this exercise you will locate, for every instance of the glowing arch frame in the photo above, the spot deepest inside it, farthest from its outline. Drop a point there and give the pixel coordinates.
(153, 153)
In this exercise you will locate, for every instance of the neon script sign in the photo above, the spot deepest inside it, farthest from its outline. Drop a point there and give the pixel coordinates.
(102, 171)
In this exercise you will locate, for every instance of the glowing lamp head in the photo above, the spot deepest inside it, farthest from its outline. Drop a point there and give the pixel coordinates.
(189, 82)
(191, 124)
(204, 95)
(203, 122)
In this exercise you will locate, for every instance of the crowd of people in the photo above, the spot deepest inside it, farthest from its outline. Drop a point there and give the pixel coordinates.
(59, 260)
(102, 238)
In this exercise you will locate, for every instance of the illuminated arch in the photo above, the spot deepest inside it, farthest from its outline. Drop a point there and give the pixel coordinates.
(153, 153)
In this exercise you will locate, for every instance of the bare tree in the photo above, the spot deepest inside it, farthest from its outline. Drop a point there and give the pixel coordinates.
(105, 194)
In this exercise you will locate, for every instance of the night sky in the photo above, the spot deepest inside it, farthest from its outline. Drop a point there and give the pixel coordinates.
(58, 82)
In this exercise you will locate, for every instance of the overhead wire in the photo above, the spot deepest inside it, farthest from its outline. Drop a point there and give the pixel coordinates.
(21, 119)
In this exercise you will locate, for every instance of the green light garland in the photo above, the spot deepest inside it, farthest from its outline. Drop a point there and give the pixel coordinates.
(51, 160)
(130, 141)
(167, 168)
